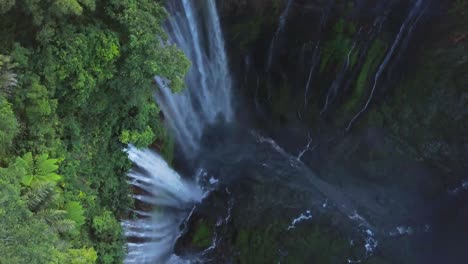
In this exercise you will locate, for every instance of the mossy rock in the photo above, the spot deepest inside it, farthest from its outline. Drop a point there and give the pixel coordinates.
(202, 235)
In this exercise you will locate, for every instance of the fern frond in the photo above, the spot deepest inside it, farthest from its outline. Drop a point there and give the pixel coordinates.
(26, 162)
(64, 226)
(52, 216)
(75, 212)
(40, 196)
(44, 165)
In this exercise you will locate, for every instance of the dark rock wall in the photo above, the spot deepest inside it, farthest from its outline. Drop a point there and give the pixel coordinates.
(403, 157)
(324, 68)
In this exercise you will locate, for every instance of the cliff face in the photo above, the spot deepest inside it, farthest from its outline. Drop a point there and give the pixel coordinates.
(371, 96)
(384, 71)
(371, 93)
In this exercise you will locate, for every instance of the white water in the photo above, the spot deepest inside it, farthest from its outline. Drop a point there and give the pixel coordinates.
(303, 217)
(173, 197)
(281, 24)
(336, 84)
(206, 97)
(306, 148)
(410, 21)
(315, 61)
(208, 84)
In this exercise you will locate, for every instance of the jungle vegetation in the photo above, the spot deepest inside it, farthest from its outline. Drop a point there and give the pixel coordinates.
(76, 86)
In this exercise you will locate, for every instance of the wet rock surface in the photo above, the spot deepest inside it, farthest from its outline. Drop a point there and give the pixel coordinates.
(392, 168)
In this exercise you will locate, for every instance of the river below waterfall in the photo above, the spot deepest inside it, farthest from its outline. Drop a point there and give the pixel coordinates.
(242, 197)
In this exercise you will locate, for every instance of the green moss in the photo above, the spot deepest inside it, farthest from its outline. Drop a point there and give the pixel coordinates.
(373, 58)
(203, 235)
(257, 245)
(316, 244)
(242, 238)
(307, 243)
(353, 59)
(167, 150)
(247, 32)
(338, 46)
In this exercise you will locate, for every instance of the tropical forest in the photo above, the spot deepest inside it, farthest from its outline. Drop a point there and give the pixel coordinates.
(233, 131)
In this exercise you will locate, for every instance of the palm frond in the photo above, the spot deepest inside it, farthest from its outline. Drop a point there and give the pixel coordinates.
(52, 216)
(40, 196)
(65, 225)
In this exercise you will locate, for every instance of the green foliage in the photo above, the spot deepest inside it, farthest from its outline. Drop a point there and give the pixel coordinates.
(24, 238)
(7, 77)
(75, 212)
(82, 60)
(41, 199)
(139, 139)
(141, 20)
(78, 84)
(81, 256)
(71, 7)
(8, 126)
(109, 234)
(37, 111)
(40, 196)
(106, 227)
(38, 169)
(5, 5)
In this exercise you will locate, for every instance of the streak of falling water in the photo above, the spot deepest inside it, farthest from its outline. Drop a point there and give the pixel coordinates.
(207, 95)
(315, 61)
(171, 194)
(281, 25)
(410, 21)
(151, 237)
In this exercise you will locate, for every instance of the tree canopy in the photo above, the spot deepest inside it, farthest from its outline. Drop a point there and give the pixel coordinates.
(76, 86)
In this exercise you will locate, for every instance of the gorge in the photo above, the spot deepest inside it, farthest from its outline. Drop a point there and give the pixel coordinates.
(309, 132)
(233, 131)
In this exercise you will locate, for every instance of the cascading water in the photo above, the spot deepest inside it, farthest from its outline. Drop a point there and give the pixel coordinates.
(208, 93)
(258, 192)
(413, 17)
(152, 235)
(281, 25)
(207, 96)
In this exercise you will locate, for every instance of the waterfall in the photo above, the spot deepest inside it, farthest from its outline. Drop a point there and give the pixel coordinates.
(315, 61)
(173, 196)
(207, 96)
(336, 84)
(411, 20)
(281, 25)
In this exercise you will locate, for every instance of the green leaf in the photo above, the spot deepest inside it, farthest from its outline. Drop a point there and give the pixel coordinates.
(40, 196)
(26, 162)
(46, 165)
(65, 225)
(75, 212)
(38, 169)
(52, 177)
(26, 180)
